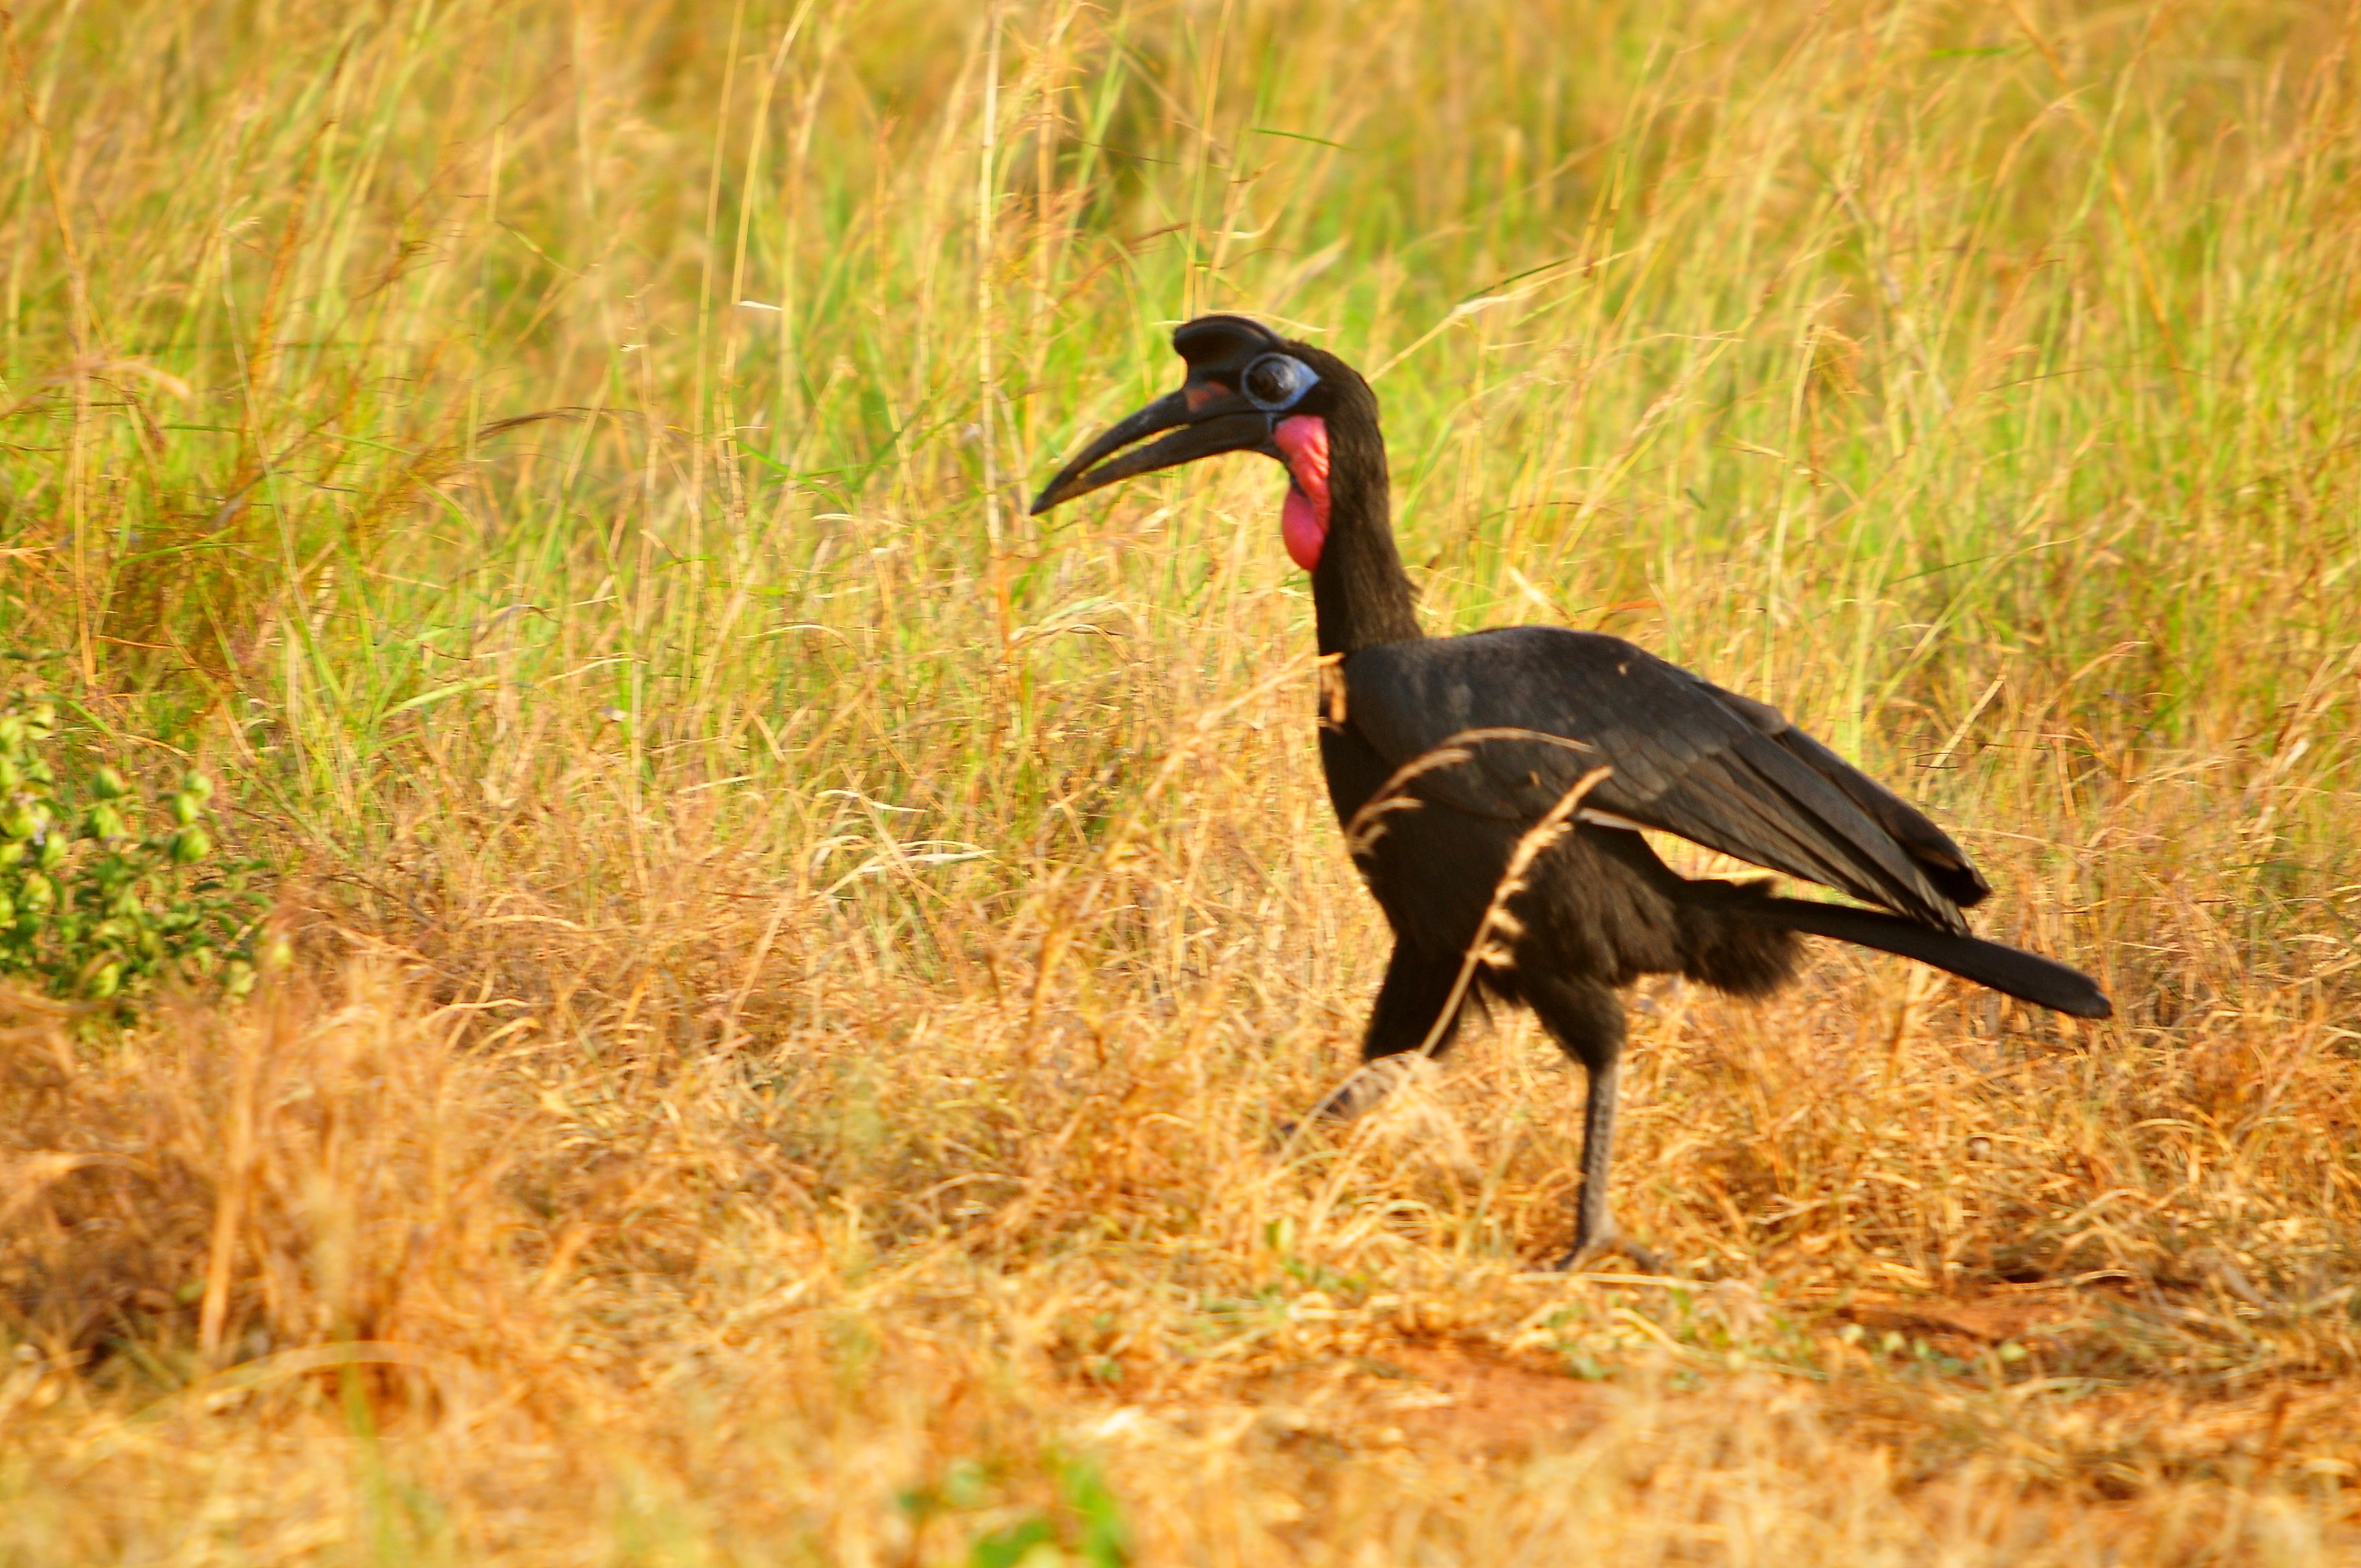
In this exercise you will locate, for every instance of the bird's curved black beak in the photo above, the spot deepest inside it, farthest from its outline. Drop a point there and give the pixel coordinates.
(1206, 417)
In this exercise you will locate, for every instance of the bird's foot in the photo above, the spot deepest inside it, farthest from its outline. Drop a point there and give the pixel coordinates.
(1356, 1097)
(1610, 1242)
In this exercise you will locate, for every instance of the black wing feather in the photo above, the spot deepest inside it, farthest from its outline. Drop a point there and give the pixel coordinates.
(1690, 759)
(1943, 862)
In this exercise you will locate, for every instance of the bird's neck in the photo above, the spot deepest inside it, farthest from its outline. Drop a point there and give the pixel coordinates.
(1360, 595)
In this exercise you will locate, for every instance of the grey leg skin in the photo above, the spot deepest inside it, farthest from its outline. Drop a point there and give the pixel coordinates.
(1587, 1021)
(1408, 1001)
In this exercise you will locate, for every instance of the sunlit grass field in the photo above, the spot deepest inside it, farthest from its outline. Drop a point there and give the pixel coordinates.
(802, 968)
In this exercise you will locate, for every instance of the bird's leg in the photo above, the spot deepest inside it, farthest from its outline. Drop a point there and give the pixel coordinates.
(1415, 990)
(1596, 1233)
(1361, 1091)
(1587, 1020)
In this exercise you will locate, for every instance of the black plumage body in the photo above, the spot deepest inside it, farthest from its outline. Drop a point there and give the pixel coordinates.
(1688, 758)
(1588, 912)
(1441, 754)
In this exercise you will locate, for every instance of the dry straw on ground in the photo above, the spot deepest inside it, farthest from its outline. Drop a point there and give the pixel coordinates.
(806, 969)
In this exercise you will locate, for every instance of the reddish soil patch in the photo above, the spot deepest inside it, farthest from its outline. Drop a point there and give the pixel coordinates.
(1477, 1400)
(1971, 1325)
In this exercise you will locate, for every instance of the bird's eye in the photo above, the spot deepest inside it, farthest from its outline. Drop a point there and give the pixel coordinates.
(1275, 381)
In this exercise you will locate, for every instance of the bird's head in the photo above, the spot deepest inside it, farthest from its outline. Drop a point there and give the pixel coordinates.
(1248, 389)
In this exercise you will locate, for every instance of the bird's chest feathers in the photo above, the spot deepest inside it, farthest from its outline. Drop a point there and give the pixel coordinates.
(1303, 519)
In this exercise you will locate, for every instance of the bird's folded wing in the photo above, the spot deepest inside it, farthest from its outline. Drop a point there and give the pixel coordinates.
(1688, 758)
(1945, 863)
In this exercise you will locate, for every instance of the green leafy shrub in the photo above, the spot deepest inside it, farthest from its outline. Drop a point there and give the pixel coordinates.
(97, 909)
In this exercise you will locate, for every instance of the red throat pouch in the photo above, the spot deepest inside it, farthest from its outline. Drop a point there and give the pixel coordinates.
(1303, 520)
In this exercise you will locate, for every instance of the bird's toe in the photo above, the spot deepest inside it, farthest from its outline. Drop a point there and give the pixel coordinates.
(1612, 1242)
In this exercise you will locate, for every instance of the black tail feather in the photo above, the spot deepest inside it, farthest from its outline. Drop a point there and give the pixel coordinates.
(2028, 977)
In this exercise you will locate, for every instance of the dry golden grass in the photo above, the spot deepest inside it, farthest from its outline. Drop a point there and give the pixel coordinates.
(805, 970)
(851, 1297)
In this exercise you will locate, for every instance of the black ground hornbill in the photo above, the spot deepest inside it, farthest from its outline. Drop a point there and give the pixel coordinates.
(1517, 717)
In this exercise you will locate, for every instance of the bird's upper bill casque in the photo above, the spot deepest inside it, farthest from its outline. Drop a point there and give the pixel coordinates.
(1247, 390)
